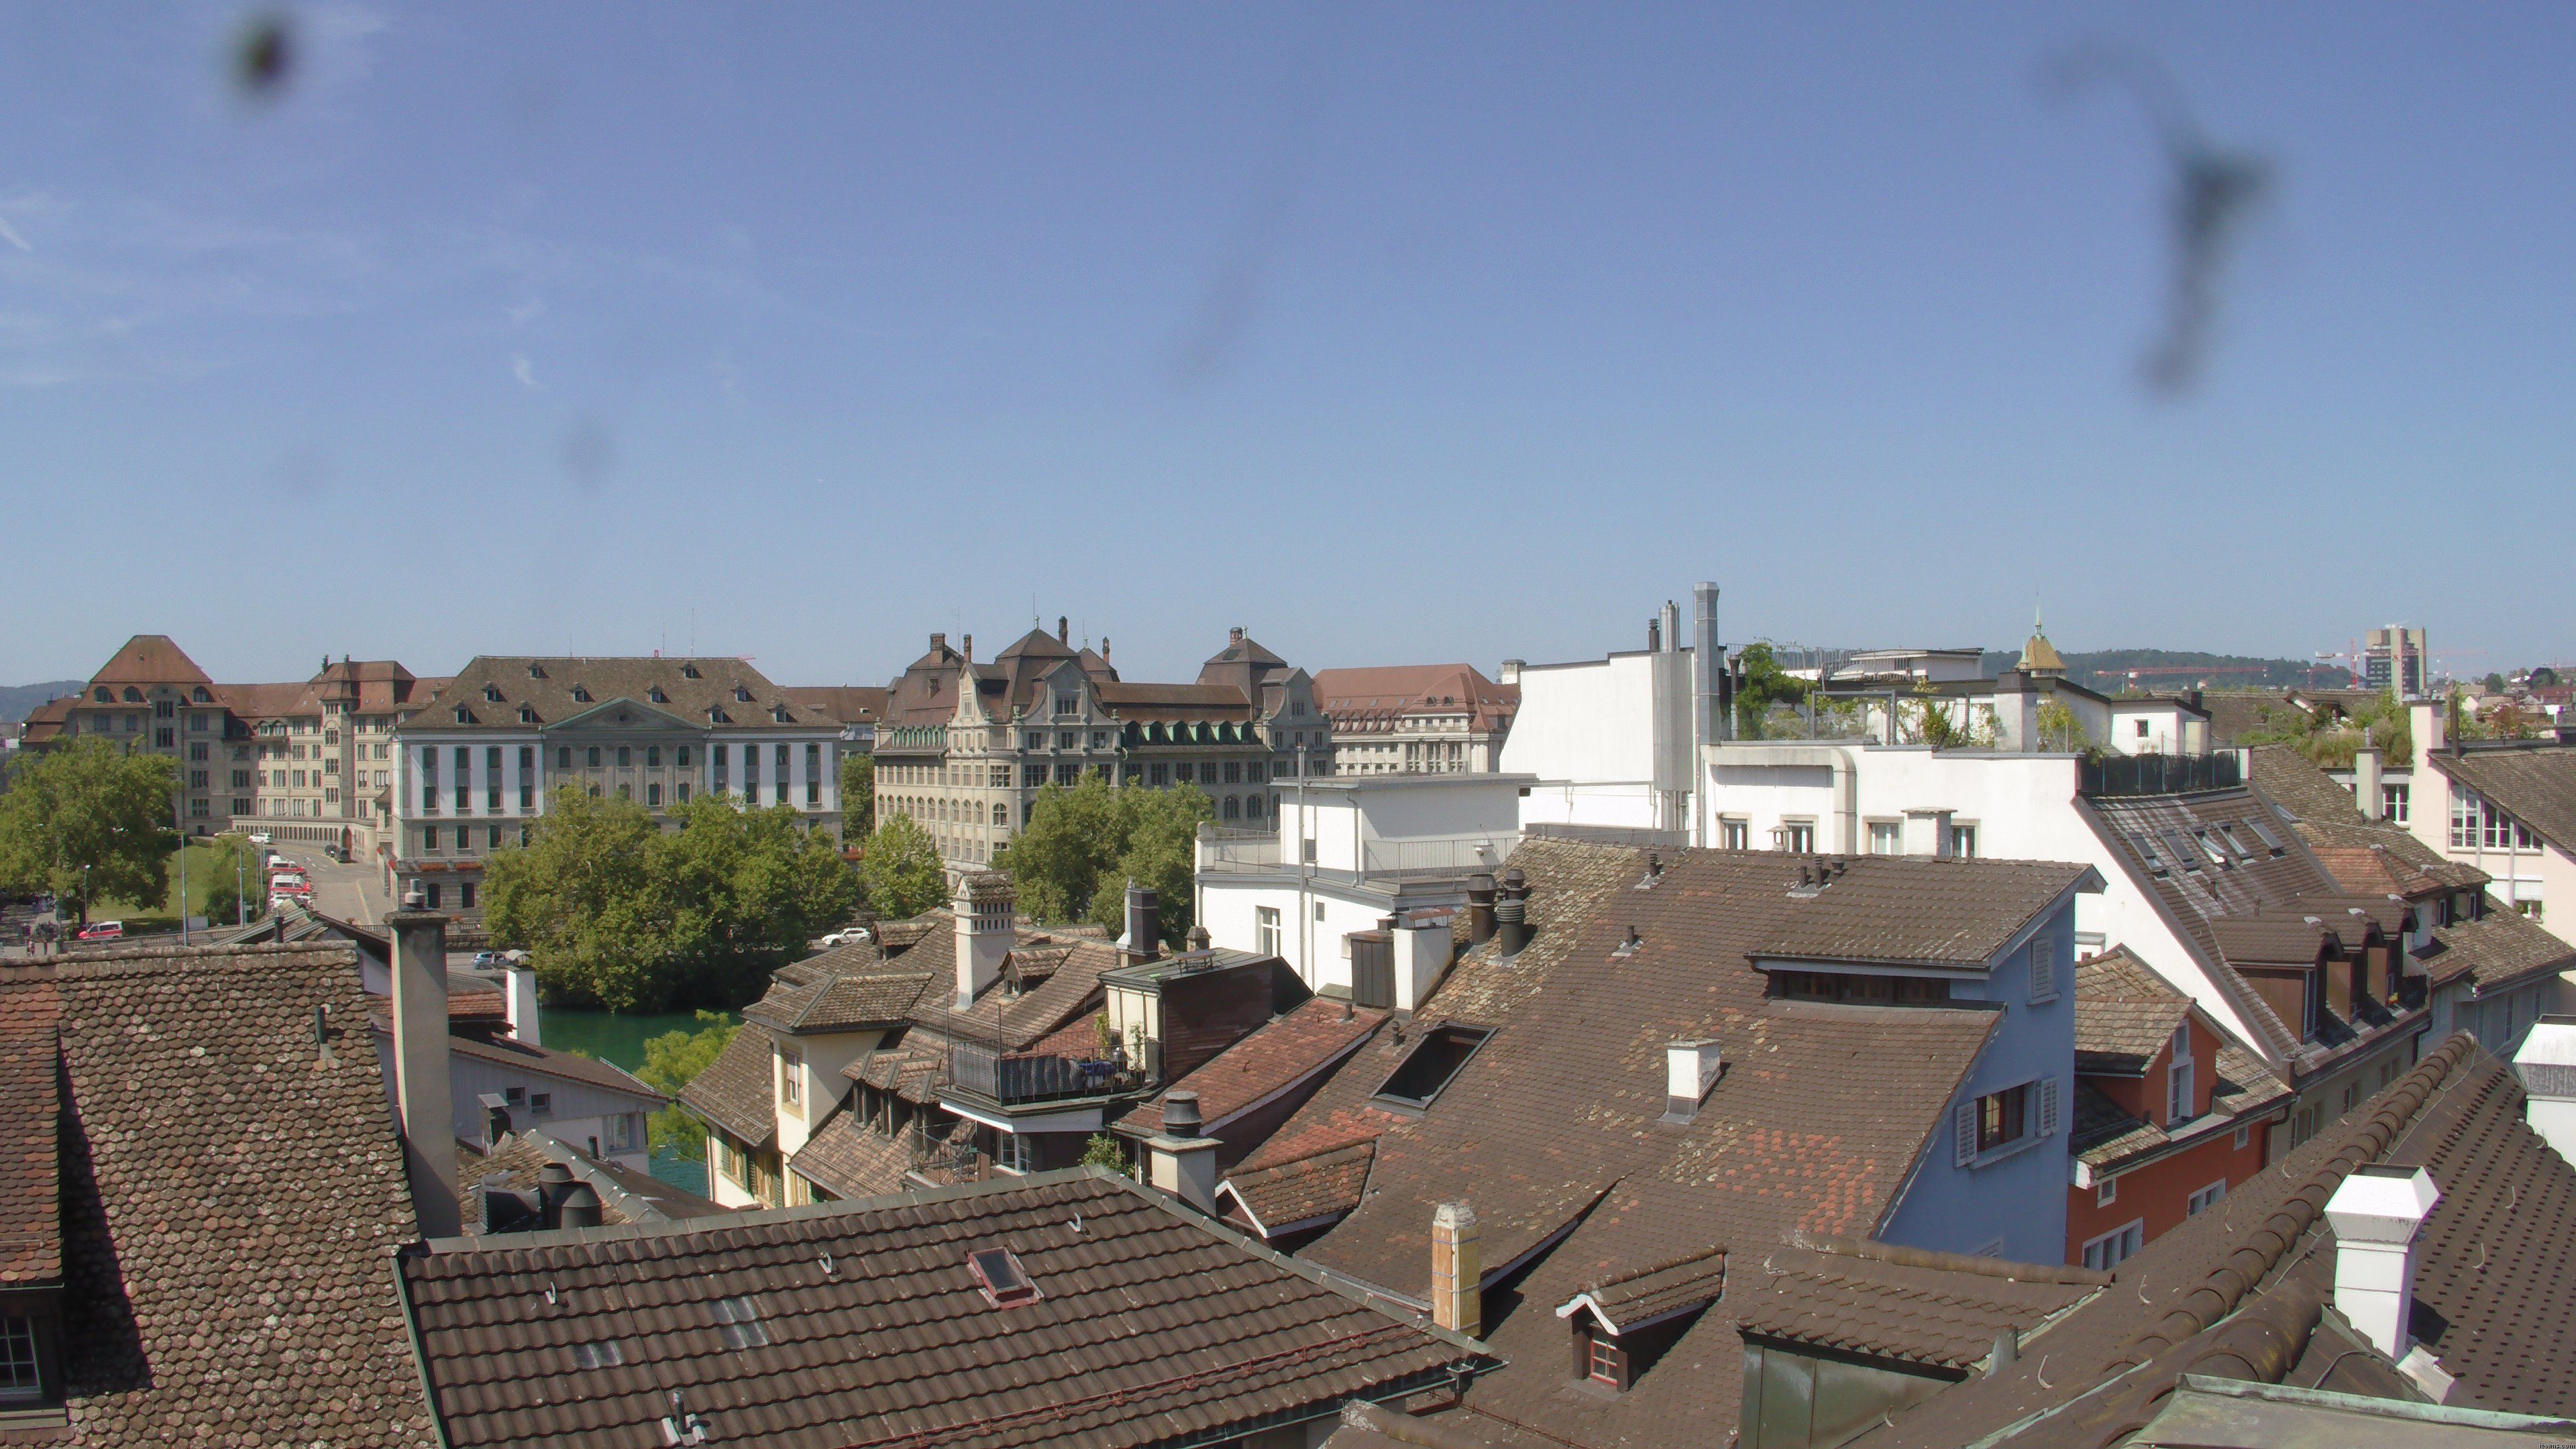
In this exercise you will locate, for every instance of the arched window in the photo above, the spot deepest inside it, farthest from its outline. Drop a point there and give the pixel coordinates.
(1001, 814)
(133, 695)
(1233, 808)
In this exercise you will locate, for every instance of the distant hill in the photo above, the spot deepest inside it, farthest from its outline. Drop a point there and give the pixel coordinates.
(2160, 671)
(17, 699)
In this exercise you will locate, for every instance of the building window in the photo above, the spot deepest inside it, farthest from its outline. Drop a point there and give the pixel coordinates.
(1605, 1362)
(19, 1376)
(563, 757)
(1266, 930)
(2003, 1118)
(2178, 1087)
(2394, 800)
(1798, 837)
(2244, 1135)
(2106, 1192)
(433, 897)
(2205, 1199)
(1886, 837)
(429, 839)
(465, 895)
(1734, 834)
(2113, 1248)
(791, 1080)
(653, 794)
(1963, 841)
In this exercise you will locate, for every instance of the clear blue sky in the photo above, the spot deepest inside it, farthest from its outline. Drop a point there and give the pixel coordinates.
(1398, 333)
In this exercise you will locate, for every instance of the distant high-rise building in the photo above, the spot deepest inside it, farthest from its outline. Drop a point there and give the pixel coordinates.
(2394, 656)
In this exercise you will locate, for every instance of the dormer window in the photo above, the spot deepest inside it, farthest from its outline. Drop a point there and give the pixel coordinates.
(536, 670)
(688, 671)
(741, 694)
(133, 695)
(104, 697)
(716, 715)
(656, 695)
(779, 713)
(581, 694)
(2178, 1084)
(200, 696)
(463, 716)
(527, 715)
(492, 693)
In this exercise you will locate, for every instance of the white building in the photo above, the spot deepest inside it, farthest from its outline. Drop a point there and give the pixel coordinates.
(1349, 852)
(2507, 807)
(1613, 742)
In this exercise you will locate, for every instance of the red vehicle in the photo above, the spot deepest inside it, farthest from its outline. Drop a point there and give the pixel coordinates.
(103, 931)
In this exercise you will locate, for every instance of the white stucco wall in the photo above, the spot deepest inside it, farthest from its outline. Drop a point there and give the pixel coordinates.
(1592, 731)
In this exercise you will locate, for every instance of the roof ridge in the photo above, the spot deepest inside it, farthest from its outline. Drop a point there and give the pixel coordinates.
(2264, 1246)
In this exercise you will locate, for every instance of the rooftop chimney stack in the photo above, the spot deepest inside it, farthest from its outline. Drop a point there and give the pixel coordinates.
(1713, 711)
(2428, 721)
(1480, 909)
(1511, 674)
(1144, 924)
(938, 642)
(1668, 626)
(427, 1118)
(2365, 784)
(1457, 1271)
(1178, 1160)
(579, 1207)
(2377, 1214)
(1690, 1069)
(519, 996)
(968, 652)
(496, 1119)
(1511, 914)
(2547, 1066)
(982, 907)
(1655, 636)
(1063, 630)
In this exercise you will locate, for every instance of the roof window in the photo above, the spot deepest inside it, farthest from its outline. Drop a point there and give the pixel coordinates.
(2209, 846)
(1434, 1062)
(536, 670)
(741, 694)
(527, 715)
(997, 1271)
(656, 695)
(200, 696)
(2183, 854)
(581, 693)
(492, 693)
(464, 715)
(2147, 852)
(2264, 833)
(133, 695)
(779, 712)
(739, 1322)
(688, 671)
(716, 715)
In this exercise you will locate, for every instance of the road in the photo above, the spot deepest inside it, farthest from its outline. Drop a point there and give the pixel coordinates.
(352, 892)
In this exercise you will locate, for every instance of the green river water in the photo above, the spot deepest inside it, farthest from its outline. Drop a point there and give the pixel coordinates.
(618, 1038)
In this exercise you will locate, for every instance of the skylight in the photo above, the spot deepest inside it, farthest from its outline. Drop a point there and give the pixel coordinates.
(739, 1322)
(2209, 846)
(1004, 1282)
(597, 1355)
(2265, 833)
(2182, 851)
(2147, 850)
(1434, 1062)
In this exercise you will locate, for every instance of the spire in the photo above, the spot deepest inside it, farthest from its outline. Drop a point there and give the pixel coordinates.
(2039, 656)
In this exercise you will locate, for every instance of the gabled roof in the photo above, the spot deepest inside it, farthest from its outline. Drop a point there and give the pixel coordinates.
(1297, 1192)
(513, 1055)
(1627, 1301)
(848, 988)
(736, 1090)
(1149, 702)
(1359, 698)
(848, 1158)
(864, 1322)
(1904, 910)
(2491, 1305)
(230, 1188)
(31, 1227)
(1942, 1310)
(2365, 857)
(850, 704)
(2534, 783)
(1279, 1055)
(150, 659)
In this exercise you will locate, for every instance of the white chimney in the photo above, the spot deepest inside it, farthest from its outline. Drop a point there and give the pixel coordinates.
(1178, 1160)
(2365, 783)
(1927, 832)
(2377, 1214)
(1421, 955)
(2547, 1066)
(519, 995)
(2429, 723)
(983, 909)
(1690, 1069)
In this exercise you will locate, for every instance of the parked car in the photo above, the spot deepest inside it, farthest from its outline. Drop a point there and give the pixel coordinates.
(103, 931)
(338, 853)
(850, 937)
(489, 958)
(261, 837)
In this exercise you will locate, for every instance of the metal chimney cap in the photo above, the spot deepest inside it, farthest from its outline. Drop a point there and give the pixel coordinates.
(415, 899)
(1181, 1113)
(554, 1174)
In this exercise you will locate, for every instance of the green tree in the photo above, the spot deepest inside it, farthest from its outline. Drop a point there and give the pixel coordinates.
(746, 889)
(1102, 1150)
(671, 1061)
(88, 820)
(1085, 842)
(1763, 684)
(2331, 737)
(2495, 683)
(2059, 729)
(858, 795)
(237, 891)
(899, 871)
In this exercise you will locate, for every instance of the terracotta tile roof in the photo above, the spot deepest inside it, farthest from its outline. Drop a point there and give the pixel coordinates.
(1940, 1309)
(271, 701)
(2110, 1139)
(848, 988)
(607, 681)
(1072, 984)
(1277, 1056)
(2502, 949)
(518, 1056)
(1626, 1301)
(150, 659)
(866, 1326)
(852, 1159)
(850, 704)
(1145, 702)
(2124, 1014)
(1359, 698)
(31, 1224)
(737, 1091)
(909, 1070)
(229, 1196)
(2492, 1301)
(45, 721)
(1286, 1193)
(2534, 783)
(2366, 857)
(1904, 909)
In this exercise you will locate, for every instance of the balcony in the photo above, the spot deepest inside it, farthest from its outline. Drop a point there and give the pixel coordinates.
(1435, 857)
(1018, 1079)
(2118, 775)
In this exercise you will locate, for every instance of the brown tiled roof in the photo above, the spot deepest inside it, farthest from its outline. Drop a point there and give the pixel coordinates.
(1145, 702)
(848, 988)
(896, 937)
(2124, 1013)
(1624, 1301)
(45, 721)
(272, 701)
(607, 681)
(1940, 1309)
(518, 1056)
(2110, 1139)
(1149, 1326)
(849, 704)
(737, 1091)
(31, 1225)
(1072, 984)
(1286, 1192)
(150, 659)
(2534, 783)
(2492, 1303)
(1276, 1056)
(2366, 857)
(2502, 949)
(910, 1071)
(851, 1158)
(229, 1195)
(1357, 698)
(1905, 910)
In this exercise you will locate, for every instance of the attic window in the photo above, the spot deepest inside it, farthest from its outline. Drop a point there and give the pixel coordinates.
(527, 715)
(2217, 856)
(463, 715)
(492, 693)
(597, 1355)
(741, 695)
(716, 715)
(656, 695)
(779, 713)
(739, 1322)
(998, 1272)
(133, 695)
(536, 670)
(2147, 851)
(2264, 832)
(200, 696)
(2182, 851)
(688, 671)
(2234, 842)
(1434, 1062)
(581, 693)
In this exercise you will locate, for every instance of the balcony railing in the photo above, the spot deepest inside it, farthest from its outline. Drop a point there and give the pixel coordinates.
(2159, 774)
(1012, 1078)
(1418, 858)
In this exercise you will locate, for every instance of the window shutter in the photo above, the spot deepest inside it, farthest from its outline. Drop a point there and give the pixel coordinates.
(2043, 968)
(1964, 1131)
(2048, 1107)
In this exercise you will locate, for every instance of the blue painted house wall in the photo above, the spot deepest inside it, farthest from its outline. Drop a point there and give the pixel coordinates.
(2015, 1198)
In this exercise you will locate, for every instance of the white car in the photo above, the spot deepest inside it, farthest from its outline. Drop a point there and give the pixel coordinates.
(850, 937)
(261, 837)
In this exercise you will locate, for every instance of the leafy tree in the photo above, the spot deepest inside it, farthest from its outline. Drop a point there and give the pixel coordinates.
(1084, 842)
(1764, 683)
(236, 891)
(2059, 729)
(899, 872)
(1102, 1150)
(2495, 683)
(2544, 678)
(88, 814)
(858, 795)
(2331, 738)
(671, 1061)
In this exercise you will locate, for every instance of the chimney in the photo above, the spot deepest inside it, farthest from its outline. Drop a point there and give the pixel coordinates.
(1654, 636)
(1177, 1159)
(2377, 1214)
(1144, 924)
(1421, 954)
(554, 1181)
(1480, 909)
(2016, 711)
(1063, 630)
(1690, 1069)
(1198, 939)
(1511, 671)
(1927, 832)
(1712, 712)
(2427, 722)
(519, 995)
(579, 1207)
(983, 909)
(1234, 635)
(427, 1118)
(2547, 1066)
(2365, 784)
(1511, 914)
(496, 1119)
(1104, 648)
(1457, 1272)
(1668, 626)
(968, 653)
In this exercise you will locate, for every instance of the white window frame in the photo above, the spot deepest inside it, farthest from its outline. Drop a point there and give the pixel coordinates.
(2106, 1191)
(2127, 1239)
(1265, 930)
(1889, 832)
(1734, 832)
(2180, 1088)
(791, 1080)
(2205, 1199)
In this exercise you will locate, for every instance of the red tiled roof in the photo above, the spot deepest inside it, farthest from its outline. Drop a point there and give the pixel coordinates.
(31, 1229)
(1354, 696)
(1276, 1056)
(150, 659)
(1940, 1309)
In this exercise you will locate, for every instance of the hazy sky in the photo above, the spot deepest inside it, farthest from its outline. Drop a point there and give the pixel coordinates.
(1396, 333)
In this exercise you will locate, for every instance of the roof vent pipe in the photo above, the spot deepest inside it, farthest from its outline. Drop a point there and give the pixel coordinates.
(2377, 1214)
(1144, 924)
(579, 1208)
(1480, 909)
(1511, 914)
(1690, 1069)
(1181, 1114)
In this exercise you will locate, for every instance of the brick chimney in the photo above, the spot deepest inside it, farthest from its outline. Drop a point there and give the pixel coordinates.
(427, 1118)
(2377, 1214)
(1457, 1271)
(938, 642)
(982, 906)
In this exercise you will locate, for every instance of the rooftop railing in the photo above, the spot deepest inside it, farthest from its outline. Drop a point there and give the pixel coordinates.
(2118, 775)
(1012, 1078)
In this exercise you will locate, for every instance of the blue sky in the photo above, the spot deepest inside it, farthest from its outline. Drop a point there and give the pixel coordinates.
(1394, 333)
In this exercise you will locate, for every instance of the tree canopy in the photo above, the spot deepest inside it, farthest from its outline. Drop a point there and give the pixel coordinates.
(858, 795)
(1764, 684)
(671, 1061)
(88, 809)
(899, 871)
(619, 913)
(238, 888)
(2331, 737)
(1084, 842)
